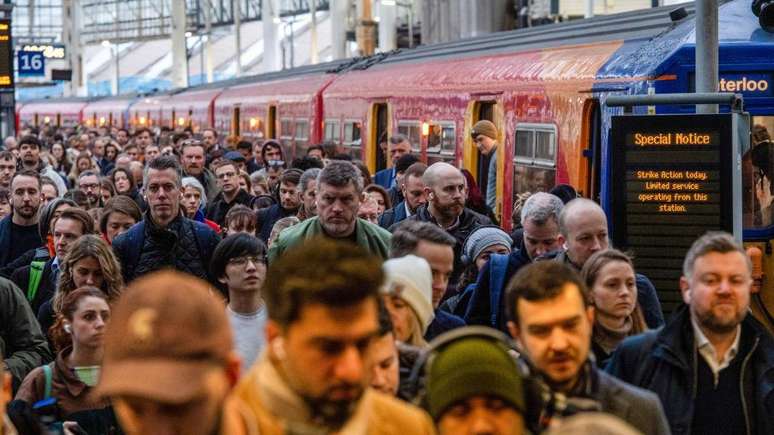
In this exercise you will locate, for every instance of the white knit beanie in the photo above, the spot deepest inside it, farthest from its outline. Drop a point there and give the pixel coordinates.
(413, 274)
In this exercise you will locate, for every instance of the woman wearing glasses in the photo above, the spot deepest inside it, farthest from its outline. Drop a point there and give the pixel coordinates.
(239, 264)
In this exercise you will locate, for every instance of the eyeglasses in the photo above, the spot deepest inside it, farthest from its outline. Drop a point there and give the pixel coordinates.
(242, 261)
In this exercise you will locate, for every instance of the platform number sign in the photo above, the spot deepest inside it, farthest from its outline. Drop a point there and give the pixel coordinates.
(31, 64)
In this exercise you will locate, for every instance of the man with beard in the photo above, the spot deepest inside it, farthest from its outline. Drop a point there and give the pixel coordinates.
(446, 193)
(193, 160)
(307, 189)
(7, 168)
(290, 201)
(339, 192)
(29, 153)
(19, 231)
(89, 183)
(323, 313)
(169, 364)
(227, 173)
(551, 318)
(713, 363)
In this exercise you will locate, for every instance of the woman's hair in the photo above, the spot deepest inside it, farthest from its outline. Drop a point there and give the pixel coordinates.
(240, 216)
(416, 335)
(381, 191)
(89, 246)
(119, 204)
(61, 338)
(75, 172)
(592, 269)
(128, 174)
(193, 182)
(365, 174)
(106, 184)
(248, 182)
(280, 225)
(258, 178)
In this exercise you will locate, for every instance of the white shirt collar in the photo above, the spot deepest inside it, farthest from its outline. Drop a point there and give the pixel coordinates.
(707, 350)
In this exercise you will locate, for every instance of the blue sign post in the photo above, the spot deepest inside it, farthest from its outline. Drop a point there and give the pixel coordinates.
(31, 64)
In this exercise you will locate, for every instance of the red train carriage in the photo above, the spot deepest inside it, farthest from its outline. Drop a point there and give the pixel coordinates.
(288, 109)
(113, 112)
(192, 108)
(63, 112)
(146, 112)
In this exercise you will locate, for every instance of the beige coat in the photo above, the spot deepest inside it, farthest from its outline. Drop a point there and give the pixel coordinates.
(279, 410)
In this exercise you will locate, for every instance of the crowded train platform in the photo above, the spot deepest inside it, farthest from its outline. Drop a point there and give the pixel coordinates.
(531, 217)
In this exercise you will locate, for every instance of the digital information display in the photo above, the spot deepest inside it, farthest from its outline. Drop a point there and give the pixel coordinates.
(674, 177)
(6, 55)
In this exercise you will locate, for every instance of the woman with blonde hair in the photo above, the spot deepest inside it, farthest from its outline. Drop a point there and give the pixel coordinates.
(89, 262)
(612, 285)
(83, 163)
(407, 294)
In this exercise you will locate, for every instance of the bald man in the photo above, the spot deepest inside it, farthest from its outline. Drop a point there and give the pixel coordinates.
(583, 225)
(446, 194)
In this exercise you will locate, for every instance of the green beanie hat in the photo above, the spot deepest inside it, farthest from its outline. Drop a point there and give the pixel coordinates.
(471, 367)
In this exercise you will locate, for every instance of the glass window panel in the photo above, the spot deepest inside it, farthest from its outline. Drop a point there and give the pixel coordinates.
(524, 144)
(758, 176)
(413, 132)
(332, 131)
(532, 179)
(545, 146)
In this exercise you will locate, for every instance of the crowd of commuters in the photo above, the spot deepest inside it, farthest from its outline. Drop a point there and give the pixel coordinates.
(166, 282)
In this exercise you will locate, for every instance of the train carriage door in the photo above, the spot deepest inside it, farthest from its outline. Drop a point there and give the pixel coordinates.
(591, 160)
(482, 110)
(271, 123)
(59, 120)
(378, 134)
(235, 121)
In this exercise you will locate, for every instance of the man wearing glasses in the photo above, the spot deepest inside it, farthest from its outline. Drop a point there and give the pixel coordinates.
(239, 264)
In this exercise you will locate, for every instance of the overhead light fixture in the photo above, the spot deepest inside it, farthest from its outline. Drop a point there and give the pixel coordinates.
(277, 20)
(106, 43)
(188, 34)
(388, 3)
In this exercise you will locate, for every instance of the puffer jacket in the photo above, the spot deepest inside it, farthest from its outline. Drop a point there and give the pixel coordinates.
(184, 244)
(664, 361)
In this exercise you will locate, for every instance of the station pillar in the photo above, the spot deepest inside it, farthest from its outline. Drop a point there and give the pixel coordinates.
(179, 45)
(387, 24)
(271, 48)
(71, 36)
(338, 20)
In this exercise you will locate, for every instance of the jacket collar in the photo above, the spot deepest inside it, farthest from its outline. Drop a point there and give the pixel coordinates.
(285, 404)
(67, 375)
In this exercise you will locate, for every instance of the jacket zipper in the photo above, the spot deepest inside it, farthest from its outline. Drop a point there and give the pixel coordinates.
(741, 385)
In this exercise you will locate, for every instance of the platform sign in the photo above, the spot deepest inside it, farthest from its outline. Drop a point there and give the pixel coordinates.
(674, 177)
(6, 55)
(31, 64)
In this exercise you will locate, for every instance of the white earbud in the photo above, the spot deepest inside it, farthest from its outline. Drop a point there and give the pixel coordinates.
(68, 329)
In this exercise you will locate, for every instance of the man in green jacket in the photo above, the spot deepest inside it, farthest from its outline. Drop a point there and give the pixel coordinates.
(339, 192)
(21, 342)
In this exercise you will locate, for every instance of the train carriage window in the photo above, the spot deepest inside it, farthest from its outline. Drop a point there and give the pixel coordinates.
(302, 137)
(286, 137)
(534, 158)
(352, 139)
(441, 143)
(332, 131)
(413, 131)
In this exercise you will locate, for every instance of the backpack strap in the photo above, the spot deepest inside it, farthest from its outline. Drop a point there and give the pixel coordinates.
(49, 376)
(498, 269)
(36, 273)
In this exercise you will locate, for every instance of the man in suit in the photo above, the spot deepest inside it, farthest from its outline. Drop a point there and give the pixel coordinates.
(398, 146)
(414, 196)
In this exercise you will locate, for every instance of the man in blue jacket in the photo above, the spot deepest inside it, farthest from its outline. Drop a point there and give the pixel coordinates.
(398, 146)
(713, 363)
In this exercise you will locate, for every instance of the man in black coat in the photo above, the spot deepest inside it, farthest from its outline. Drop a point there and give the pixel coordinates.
(231, 194)
(290, 201)
(164, 238)
(412, 196)
(19, 230)
(713, 363)
(446, 193)
(551, 317)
